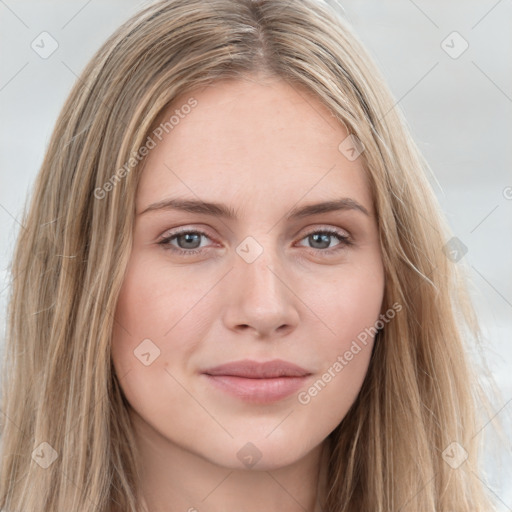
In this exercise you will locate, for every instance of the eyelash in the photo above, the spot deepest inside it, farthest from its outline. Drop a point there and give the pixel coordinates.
(165, 242)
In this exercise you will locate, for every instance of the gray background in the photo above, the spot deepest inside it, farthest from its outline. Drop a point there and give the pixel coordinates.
(458, 110)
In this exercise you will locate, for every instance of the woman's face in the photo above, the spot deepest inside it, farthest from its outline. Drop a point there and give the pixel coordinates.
(232, 263)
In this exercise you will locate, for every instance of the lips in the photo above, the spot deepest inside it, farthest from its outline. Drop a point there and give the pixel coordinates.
(257, 382)
(255, 370)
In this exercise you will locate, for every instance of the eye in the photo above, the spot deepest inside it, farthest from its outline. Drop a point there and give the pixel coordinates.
(321, 240)
(189, 241)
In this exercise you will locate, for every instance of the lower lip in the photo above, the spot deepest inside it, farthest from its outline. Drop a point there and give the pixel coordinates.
(257, 390)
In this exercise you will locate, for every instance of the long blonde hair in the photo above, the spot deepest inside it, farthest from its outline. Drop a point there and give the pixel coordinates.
(61, 397)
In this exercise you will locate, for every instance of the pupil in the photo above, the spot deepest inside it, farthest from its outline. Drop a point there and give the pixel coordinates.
(325, 237)
(189, 239)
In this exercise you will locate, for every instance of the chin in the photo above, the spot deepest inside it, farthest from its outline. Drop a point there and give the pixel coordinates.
(258, 455)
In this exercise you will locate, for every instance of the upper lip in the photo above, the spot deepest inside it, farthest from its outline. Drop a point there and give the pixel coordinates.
(258, 370)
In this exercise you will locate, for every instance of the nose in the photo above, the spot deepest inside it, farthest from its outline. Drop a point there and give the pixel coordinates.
(261, 297)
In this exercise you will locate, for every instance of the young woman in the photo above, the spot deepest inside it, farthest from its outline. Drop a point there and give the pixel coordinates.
(232, 291)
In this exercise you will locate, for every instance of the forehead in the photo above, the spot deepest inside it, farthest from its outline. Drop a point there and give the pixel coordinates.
(257, 140)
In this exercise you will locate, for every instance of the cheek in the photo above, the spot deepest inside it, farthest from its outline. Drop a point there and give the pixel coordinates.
(162, 317)
(349, 302)
(153, 336)
(348, 307)
(151, 312)
(154, 303)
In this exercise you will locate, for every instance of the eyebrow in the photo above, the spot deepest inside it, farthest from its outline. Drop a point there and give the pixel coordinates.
(221, 210)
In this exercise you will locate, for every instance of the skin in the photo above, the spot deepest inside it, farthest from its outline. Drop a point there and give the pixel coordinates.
(260, 147)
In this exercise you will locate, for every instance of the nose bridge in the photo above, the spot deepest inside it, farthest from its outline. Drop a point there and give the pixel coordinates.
(259, 265)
